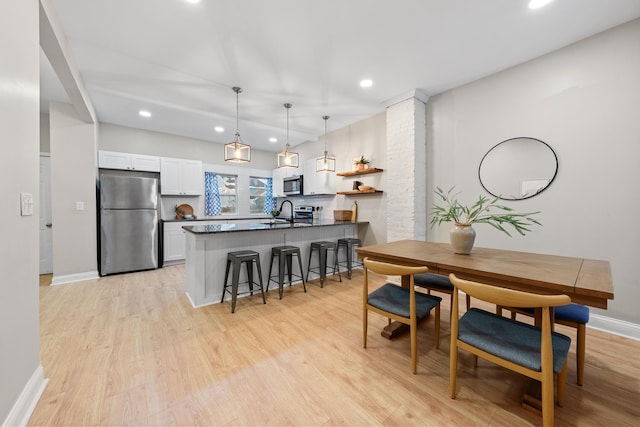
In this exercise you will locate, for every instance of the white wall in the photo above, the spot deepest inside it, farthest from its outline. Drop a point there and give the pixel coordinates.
(366, 137)
(73, 181)
(19, 136)
(584, 101)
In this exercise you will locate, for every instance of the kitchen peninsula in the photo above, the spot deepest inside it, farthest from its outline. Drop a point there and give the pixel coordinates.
(207, 247)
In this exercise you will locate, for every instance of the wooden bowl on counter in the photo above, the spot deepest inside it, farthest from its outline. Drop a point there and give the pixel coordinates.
(365, 188)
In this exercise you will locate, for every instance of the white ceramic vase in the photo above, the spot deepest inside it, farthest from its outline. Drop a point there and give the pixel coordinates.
(462, 238)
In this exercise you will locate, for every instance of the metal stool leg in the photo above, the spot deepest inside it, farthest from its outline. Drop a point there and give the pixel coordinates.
(309, 263)
(249, 264)
(259, 271)
(323, 265)
(234, 285)
(226, 277)
(335, 264)
(270, 267)
(302, 272)
(281, 264)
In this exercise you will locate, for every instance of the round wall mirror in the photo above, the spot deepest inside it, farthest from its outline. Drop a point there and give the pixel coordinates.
(518, 168)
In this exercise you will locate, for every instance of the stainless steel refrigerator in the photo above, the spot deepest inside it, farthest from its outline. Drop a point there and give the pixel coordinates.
(129, 221)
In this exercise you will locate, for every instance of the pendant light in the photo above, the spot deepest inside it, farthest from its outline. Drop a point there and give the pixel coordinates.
(288, 159)
(325, 163)
(236, 151)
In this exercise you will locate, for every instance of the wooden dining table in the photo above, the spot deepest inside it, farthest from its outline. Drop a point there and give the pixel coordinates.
(586, 281)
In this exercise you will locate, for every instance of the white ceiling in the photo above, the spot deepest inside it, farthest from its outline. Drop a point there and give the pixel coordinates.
(180, 60)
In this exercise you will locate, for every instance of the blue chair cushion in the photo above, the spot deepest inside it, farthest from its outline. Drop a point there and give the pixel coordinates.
(394, 299)
(573, 312)
(434, 281)
(509, 339)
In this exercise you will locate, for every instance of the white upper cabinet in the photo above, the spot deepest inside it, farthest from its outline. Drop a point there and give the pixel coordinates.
(128, 161)
(317, 182)
(277, 177)
(180, 177)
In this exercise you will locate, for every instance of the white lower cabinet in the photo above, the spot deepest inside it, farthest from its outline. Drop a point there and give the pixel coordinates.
(174, 242)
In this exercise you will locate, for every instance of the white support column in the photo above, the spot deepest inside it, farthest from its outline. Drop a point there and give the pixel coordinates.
(406, 172)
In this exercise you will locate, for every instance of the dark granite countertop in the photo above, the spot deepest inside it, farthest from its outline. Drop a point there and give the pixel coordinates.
(218, 218)
(264, 225)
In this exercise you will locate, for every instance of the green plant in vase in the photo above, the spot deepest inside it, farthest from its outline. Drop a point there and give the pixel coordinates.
(484, 210)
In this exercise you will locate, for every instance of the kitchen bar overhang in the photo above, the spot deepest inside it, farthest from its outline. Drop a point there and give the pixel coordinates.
(207, 247)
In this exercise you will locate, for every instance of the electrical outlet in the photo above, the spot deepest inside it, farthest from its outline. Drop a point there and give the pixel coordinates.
(79, 206)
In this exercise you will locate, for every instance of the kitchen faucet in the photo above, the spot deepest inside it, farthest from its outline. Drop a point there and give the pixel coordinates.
(282, 204)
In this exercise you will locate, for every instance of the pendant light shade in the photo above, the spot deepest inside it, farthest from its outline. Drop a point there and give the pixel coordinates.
(325, 163)
(288, 159)
(237, 151)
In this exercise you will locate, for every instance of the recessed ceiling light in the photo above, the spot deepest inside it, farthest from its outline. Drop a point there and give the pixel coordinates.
(193, 1)
(144, 113)
(366, 83)
(218, 129)
(536, 4)
(272, 139)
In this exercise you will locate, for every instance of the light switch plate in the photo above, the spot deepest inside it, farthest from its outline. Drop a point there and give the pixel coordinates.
(26, 204)
(79, 206)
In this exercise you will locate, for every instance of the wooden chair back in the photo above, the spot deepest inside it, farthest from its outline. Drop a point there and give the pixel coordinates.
(512, 298)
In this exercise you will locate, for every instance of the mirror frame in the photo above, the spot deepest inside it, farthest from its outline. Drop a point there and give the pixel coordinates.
(504, 142)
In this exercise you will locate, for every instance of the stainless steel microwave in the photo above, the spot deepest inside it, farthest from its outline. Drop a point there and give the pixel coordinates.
(292, 185)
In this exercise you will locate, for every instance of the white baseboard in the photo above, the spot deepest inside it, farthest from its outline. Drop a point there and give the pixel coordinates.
(615, 326)
(77, 277)
(28, 399)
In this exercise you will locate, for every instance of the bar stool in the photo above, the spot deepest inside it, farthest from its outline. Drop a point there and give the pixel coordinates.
(321, 270)
(285, 253)
(237, 259)
(349, 243)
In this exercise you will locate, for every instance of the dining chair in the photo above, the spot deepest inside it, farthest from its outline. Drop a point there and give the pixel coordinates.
(535, 352)
(438, 283)
(403, 305)
(573, 315)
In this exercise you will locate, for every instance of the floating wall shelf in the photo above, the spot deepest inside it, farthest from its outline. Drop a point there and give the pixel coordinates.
(357, 192)
(360, 172)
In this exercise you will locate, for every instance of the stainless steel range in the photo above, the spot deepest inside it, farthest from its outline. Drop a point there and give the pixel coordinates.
(303, 213)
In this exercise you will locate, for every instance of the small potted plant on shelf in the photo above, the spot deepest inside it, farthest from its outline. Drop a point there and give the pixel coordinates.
(463, 216)
(361, 163)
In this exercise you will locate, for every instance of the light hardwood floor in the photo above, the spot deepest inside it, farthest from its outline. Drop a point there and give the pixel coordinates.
(130, 350)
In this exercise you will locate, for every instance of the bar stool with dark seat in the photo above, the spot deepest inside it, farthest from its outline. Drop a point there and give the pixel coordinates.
(349, 243)
(321, 270)
(237, 259)
(285, 261)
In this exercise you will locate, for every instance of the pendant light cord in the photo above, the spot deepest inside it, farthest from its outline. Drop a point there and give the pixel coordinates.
(325, 135)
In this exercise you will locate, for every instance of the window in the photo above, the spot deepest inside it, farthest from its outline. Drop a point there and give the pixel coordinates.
(227, 189)
(260, 195)
(220, 194)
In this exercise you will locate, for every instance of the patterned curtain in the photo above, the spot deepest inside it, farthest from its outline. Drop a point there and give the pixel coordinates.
(212, 204)
(269, 201)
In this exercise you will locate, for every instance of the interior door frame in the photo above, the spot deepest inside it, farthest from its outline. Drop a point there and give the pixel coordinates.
(45, 234)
